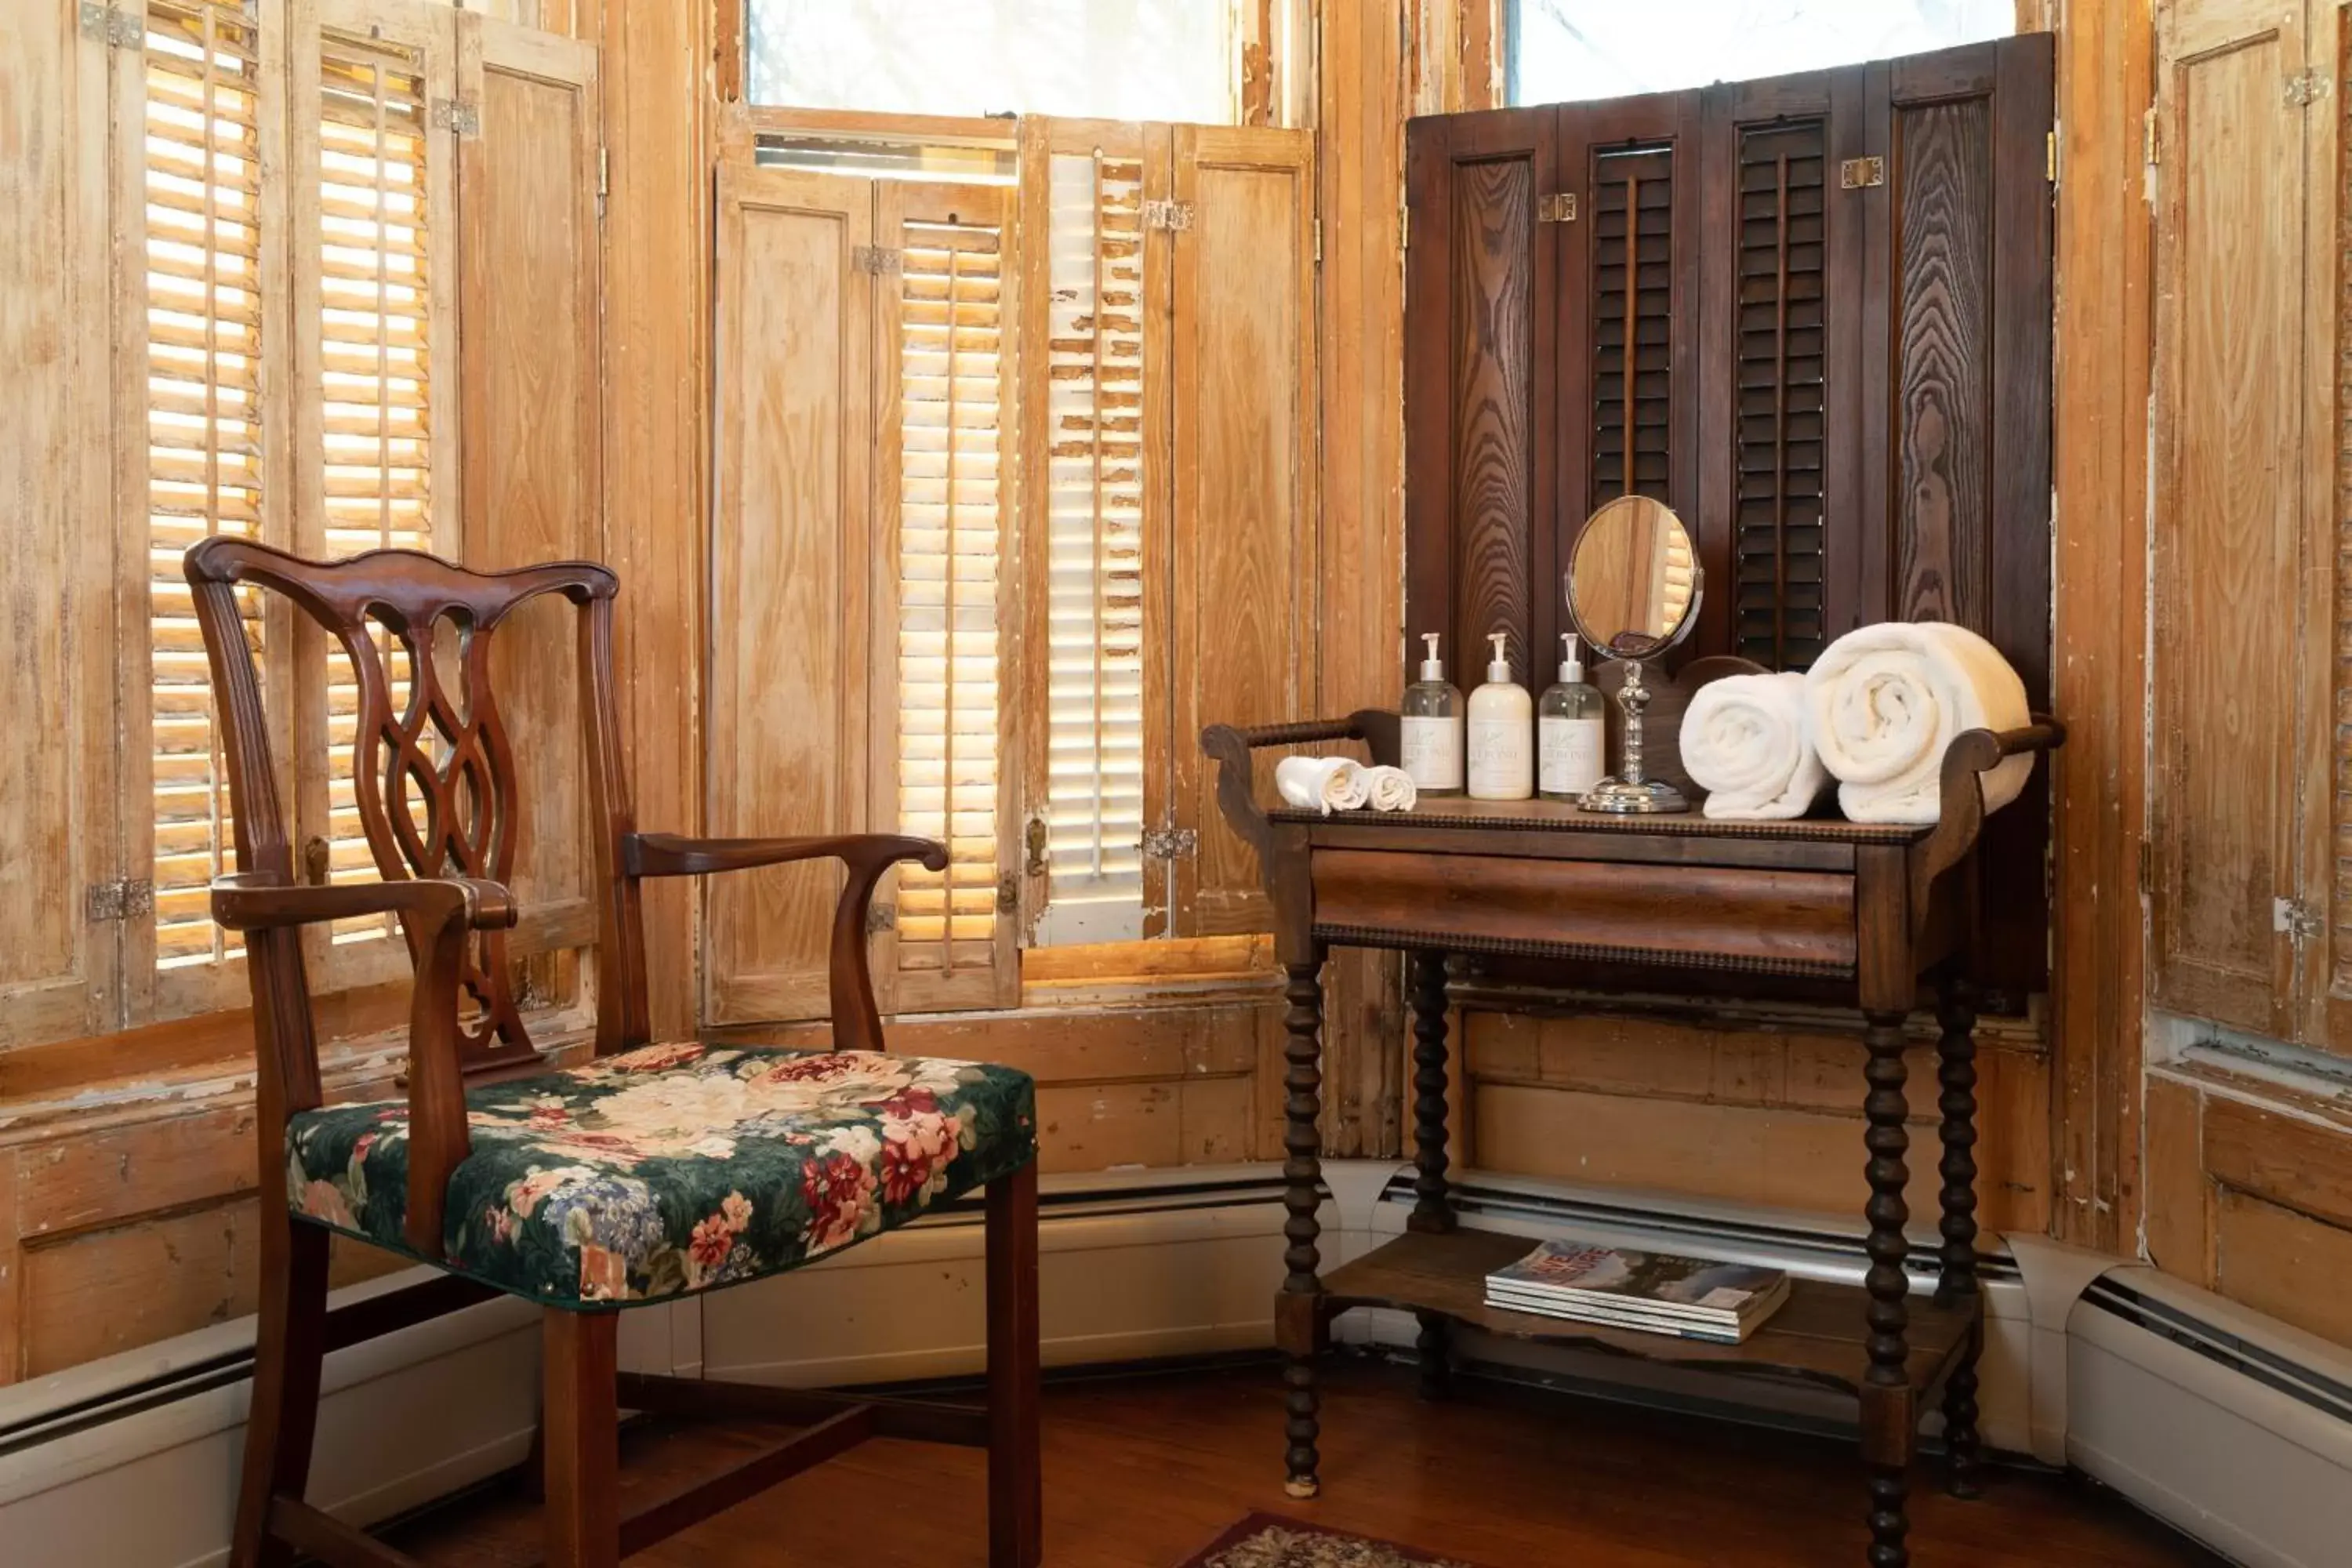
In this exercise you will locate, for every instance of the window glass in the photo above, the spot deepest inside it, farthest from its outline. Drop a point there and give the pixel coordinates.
(1562, 50)
(1114, 59)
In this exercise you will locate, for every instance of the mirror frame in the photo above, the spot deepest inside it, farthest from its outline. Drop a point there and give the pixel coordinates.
(1659, 645)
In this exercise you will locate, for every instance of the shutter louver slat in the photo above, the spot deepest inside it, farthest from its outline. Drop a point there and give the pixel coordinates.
(370, 256)
(1095, 729)
(202, 177)
(950, 539)
(1778, 586)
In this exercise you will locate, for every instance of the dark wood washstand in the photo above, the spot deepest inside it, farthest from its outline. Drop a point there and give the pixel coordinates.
(1869, 911)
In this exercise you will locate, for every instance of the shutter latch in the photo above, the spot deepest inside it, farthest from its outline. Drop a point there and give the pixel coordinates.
(1559, 206)
(1859, 173)
(875, 261)
(1170, 216)
(880, 918)
(1170, 843)
(1008, 893)
(1036, 843)
(2307, 88)
(461, 115)
(119, 900)
(2298, 920)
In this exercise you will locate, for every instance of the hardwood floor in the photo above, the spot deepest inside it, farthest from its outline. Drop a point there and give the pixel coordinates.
(1140, 1472)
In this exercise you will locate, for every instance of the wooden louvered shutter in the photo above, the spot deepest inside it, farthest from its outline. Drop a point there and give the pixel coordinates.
(373, 128)
(1094, 461)
(943, 474)
(58, 966)
(1482, 394)
(1243, 529)
(213, 400)
(529, 367)
(787, 737)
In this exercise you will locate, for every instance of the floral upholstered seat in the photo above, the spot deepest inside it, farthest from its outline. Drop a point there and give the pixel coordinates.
(675, 1168)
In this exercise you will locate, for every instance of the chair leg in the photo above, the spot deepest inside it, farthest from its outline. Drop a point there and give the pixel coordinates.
(288, 1345)
(1016, 1484)
(580, 1433)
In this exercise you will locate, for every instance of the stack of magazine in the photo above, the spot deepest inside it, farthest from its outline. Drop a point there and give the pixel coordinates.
(1688, 1298)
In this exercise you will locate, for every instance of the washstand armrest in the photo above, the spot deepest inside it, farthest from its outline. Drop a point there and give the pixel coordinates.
(1230, 749)
(1960, 813)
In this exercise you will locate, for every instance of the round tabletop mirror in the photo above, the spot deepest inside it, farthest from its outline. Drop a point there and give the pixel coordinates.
(1634, 584)
(1632, 581)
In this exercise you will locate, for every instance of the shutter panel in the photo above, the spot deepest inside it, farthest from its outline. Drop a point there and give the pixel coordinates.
(1244, 587)
(2229, 481)
(1483, 315)
(792, 547)
(530, 366)
(2325, 729)
(1094, 350)
(57, 969)
(944, 467)
(211, 406)
(374, 269)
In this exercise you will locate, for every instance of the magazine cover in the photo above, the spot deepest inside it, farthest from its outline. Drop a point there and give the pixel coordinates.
(1638, 1275)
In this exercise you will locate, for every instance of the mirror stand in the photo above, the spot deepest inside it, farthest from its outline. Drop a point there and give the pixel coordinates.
(1628, 793)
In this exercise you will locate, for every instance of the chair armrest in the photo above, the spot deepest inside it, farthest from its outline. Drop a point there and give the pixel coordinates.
(849, 977)
(439, 914)
(1230, 749)
(252, 901)
(1960, 812)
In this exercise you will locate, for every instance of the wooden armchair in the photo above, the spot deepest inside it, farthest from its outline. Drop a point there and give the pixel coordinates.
(655, 1170)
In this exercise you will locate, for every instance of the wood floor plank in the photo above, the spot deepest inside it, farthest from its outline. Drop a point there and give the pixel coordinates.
(1142, 1471)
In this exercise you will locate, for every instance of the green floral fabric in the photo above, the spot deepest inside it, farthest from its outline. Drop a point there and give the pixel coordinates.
(675, 1168)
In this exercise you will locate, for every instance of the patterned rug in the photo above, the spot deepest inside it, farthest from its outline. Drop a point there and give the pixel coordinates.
(1271, 1541)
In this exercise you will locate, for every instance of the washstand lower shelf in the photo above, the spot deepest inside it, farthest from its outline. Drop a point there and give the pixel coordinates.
(1817, 1337)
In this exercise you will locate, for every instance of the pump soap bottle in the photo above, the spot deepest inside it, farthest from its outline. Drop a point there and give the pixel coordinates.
(1569, 730)
(1502, 733)
(1430, 736)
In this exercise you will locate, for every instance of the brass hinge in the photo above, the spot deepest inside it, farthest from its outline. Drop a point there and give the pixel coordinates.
(1318, 242)
(2050, 163)
(1008, 893)
(603, 177)
(2147, 134)
(114, 28)
(1559, 206)
(880, 918)
(121, 900)
(1170, 216)
(2298, 920)
(2308, 87)
(1404, 227)
(1034, 835)
(877, 260)
(1857, 173)
(461, 115)
(1169, 843)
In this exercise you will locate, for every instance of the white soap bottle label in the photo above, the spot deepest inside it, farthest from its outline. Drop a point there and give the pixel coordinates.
(1433, 753)
(1499, 762)
(1571, 752)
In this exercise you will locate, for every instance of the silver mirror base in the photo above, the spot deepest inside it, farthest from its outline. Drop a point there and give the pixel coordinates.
(1651, 798)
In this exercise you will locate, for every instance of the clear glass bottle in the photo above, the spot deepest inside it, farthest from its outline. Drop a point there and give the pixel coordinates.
(1431, 732)
(1569, 730)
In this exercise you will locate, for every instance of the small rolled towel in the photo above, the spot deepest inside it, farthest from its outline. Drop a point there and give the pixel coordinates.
(1327, 783)
(1389, 789)
(1883, 702)
(1744, 743)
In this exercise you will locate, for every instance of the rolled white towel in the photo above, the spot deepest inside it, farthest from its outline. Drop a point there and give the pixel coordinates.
(1744, 743)
(1389, 789)
(1883, 702)
(1326, 784)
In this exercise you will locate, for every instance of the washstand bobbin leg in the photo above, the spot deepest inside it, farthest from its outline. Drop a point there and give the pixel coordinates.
(1302, 1172)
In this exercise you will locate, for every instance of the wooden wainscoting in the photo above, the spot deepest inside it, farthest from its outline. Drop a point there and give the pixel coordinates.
(2249, 1192)
(1763, 1115)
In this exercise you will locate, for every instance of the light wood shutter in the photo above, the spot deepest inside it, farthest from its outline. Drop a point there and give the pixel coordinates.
(2230, 360)
(211, 268)
(374, 119)
(57, 967)
(787, 731)
(530, 369)
(1246, 563)
(944, 476)
(1094, 339)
